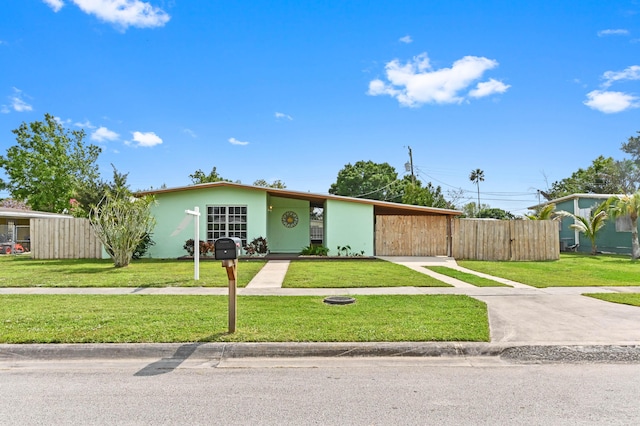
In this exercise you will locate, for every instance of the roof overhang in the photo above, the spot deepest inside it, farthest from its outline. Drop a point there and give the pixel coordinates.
(380, 207)
(573, 197)
(9, 213)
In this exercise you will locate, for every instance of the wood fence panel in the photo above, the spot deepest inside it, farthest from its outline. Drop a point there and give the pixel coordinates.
(501, 240)
(411, 235)
(71, 238)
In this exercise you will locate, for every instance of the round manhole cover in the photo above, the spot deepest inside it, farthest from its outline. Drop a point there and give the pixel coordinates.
(339, 300)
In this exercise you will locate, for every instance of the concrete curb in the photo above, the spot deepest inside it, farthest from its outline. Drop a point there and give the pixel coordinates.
(219, 351)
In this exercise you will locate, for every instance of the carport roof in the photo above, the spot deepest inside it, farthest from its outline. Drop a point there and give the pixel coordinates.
(9, 213)
(380, 207)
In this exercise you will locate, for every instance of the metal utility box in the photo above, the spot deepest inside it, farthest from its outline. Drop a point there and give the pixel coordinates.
(227, 248)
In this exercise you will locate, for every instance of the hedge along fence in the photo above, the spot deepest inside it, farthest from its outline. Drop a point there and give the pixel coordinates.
(71, 238)
(518, 240)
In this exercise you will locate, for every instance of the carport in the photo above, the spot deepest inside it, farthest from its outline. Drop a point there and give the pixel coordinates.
(15, 227)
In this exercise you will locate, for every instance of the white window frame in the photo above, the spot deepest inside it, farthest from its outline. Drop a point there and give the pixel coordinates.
(227, 221)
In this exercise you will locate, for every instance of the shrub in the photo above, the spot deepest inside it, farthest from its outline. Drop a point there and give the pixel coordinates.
(314, 250)
(257, 246)
(205, 247)
(143, 246)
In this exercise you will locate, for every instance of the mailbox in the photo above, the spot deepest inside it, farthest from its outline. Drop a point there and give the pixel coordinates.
(227, 248)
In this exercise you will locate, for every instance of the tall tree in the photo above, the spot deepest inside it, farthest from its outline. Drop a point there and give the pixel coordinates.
(589, 226)
(366, 179)
(628, 205)
(418, 195)
(201, 177)
(48, 164)
(495, 213)
(275, 184)
(632, 147)
(88, 196)
(476, 177)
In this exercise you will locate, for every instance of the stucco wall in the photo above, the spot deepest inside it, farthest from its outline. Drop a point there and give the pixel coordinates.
(170, 207)
(349, 224)
(282, 239)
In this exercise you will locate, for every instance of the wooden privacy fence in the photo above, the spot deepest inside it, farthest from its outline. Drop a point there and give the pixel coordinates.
(71, 238)
(411, 235)
(505, 239)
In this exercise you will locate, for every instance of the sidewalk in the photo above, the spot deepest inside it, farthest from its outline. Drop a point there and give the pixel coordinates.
(519, 316)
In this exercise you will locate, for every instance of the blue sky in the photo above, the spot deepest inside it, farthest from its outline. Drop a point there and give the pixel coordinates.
(528, 91)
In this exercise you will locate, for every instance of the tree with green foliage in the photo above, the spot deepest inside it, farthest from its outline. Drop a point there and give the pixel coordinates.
(476, 177)
(366, 179)
(122, 222)
(418, 195)
(200, 177)
(628, 205)
(48, 164)
(471, 209)
(88, 196)
(495, 213)
(632, 147)
(275, 184)
(590, 225)
(548, 212)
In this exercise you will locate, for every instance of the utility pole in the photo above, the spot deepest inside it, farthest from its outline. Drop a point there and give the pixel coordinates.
(413, 177)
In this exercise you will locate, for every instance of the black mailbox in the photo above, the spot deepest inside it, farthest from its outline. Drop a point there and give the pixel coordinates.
(227, 248)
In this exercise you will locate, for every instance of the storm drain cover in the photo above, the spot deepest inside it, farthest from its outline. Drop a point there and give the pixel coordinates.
(339, 300)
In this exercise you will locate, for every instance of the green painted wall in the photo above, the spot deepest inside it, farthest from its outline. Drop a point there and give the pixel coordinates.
(282, 239)
(349, 224)
(170, 207)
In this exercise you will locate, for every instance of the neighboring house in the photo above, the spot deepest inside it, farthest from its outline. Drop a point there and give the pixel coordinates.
(284, 218)
(14, 226)
(614, 237)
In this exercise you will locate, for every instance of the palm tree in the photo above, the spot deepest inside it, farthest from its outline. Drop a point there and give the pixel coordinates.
(628, 205)
(548, 212)
(589, 226)
(476, 177)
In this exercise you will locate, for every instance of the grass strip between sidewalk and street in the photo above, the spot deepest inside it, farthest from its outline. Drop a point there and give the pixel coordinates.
(572, 270)
(354, 274)
(162, 318)
(23, 271)
(632, 299)
(466, 277)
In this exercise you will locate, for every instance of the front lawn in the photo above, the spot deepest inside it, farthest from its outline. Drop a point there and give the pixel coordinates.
(354, 273)
(572, 270)
(155, 318)
(22, 271)
(465, 277)
(632, 299)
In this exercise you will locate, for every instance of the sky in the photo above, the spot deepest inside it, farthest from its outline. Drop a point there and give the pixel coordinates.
(527, 91)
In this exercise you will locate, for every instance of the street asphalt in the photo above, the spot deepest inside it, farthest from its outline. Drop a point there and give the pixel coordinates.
(526, 324)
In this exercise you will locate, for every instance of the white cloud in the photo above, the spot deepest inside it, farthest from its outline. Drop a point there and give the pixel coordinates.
(56, 5)
(611, 102)
(416, 82)
(86, 124)
(630, 73)
(406, 39)
(122, 13)
(234, 141)
(190, 133)
(604, 33)
(283, 115)
(4, 109)
(487, 88)
(146, 139)
(18, 104)
(103, 134)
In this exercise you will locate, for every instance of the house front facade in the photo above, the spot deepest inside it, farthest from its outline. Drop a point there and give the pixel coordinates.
(289, 220)
(614, 237)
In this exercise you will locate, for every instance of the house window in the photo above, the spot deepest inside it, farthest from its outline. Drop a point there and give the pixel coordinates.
(227, 221)
(623, 224)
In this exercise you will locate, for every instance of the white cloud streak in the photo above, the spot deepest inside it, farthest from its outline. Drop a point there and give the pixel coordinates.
(629, 73)
(615, 32)
(416, 82)
(282, 115)
(56, 5)
(146, 139)
(234, 141)
(406, 39)
(102, 134)
(190, 133)
(611, 102)
(16, 103)
(122, 13)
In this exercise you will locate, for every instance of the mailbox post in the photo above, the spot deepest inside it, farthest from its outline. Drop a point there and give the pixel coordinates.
(228, 250)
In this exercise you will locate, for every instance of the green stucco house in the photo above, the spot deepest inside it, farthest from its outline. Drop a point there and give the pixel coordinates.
(614, 237)
(289, 220)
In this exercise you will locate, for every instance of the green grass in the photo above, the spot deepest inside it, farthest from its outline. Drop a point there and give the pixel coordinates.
(466, 277)
(155, 318)
(572, 270)
(354, 273)
(632, 299)
(22, 271)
